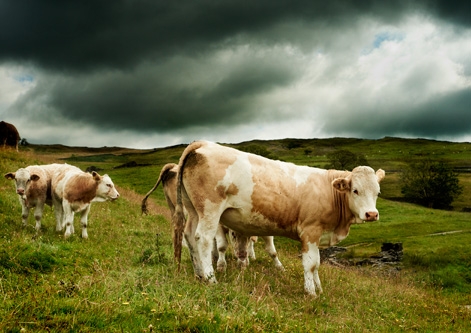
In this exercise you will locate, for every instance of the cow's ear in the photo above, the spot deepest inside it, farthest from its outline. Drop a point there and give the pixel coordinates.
(380, 174)
(96, 176)
(341, 184)
(34, 177)
(10, 175)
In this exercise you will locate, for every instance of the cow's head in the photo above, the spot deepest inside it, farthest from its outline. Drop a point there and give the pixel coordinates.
(240, 243)
(105, 188)
(362, 189)
(23, 179)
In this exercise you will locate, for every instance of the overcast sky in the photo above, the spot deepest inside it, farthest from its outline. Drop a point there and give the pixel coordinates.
(154, 73)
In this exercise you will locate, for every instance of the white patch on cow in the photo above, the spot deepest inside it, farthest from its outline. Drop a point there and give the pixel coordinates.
(240, 175)
(311, 263)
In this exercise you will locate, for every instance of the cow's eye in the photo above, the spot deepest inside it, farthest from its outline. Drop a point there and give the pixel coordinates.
(355, 191)
(109, 185)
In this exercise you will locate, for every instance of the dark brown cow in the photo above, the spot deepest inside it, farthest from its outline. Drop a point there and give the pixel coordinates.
(257, 196)
(9, 135)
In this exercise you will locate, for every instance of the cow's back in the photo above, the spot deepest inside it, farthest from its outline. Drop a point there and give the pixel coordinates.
(60, 173)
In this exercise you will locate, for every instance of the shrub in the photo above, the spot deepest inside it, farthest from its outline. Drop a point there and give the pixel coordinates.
(430, 183)
(345, 160)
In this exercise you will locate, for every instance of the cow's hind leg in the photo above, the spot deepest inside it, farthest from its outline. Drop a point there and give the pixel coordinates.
(204, 235)
(270, 248)
(311, 263)
(189, 236)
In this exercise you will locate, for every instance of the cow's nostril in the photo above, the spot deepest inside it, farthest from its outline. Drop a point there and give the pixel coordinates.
(371, 215)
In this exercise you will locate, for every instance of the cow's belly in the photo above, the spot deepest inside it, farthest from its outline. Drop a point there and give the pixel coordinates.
(254, 224)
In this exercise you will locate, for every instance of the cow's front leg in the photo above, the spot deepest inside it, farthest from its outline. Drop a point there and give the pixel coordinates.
(24, 212)
(311, 263)
(84, 221)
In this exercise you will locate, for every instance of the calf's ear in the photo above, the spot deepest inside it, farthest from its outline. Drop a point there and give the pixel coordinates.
(341, 184)
(10, 175)
(96, 176)
(380, 174)
(34, 177)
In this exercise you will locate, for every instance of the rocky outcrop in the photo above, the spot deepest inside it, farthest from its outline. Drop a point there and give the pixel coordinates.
(390, 255)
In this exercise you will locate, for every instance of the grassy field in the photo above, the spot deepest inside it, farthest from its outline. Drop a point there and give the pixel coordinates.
(123, 279)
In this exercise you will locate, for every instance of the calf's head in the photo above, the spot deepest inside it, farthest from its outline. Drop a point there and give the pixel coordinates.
(105, 188)
(23, 179)
(361, 187)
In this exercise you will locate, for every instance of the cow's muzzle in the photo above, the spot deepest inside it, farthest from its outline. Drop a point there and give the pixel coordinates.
(371, 216)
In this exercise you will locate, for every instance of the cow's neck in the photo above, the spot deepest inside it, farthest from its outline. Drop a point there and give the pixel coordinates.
(344, 216)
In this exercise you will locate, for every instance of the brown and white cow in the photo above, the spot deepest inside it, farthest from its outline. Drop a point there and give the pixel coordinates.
(73, 191)
(33, 189)
(257, 196)
(243, 246)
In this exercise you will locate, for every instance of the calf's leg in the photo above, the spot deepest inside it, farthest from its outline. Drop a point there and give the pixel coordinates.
(38, 214)
(58, 212)
(68, 219)
(84, 221)
(24, 212)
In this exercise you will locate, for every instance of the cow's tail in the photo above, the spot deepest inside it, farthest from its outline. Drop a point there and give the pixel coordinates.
(179, 216)
(163, 173)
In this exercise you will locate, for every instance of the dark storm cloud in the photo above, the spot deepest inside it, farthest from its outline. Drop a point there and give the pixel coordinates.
(89, 34)
(156, 66)
(159, 98)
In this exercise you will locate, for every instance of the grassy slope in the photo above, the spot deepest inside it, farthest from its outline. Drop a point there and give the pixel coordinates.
(123, 279)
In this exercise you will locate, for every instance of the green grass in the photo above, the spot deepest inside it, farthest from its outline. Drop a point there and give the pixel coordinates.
(123, 279)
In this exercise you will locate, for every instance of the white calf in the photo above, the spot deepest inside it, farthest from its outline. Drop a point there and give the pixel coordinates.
(33, 192)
